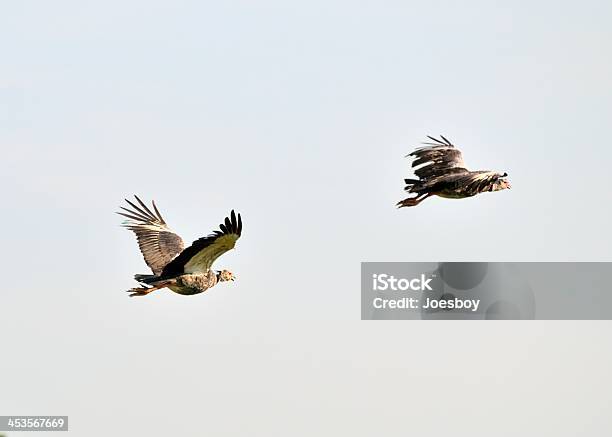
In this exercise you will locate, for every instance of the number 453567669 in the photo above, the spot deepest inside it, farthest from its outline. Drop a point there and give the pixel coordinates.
(35, 422)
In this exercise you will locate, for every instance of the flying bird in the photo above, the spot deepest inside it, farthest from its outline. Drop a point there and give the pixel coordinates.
(184, 271)
(442, 172)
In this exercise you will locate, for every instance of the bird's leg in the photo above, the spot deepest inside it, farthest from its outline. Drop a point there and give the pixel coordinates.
(413, 201)
(143, 291)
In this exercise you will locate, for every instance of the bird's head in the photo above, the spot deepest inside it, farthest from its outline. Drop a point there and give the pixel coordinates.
(500, 183)
(226, 275)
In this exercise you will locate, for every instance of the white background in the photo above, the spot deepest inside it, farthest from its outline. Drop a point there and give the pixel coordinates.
(298, 115)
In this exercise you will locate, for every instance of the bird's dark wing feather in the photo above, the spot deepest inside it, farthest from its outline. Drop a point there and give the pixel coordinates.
(199, 257)
(468, 182)
(157, 242)
(437, 158)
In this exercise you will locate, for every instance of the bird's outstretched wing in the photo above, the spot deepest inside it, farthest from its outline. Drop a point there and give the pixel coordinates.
(439, 158)
(472, 182)
(158, 243)
(199, 257)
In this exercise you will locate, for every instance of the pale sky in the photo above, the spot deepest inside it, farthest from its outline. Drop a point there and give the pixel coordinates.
(297, 115)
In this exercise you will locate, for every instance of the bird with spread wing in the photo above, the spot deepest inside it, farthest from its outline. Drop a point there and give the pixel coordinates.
(184, 271)
(442, 172)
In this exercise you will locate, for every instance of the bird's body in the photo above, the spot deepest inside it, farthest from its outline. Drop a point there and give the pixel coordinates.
(442, 172)
(187, 284)
(194, 283)
(184, 271)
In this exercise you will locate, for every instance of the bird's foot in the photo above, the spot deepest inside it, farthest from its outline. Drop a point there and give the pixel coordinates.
(408, 202)
(142, 291)
(413, 201)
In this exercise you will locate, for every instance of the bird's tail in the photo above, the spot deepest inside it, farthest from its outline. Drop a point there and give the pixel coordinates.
(412, 184)
(146, 279)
